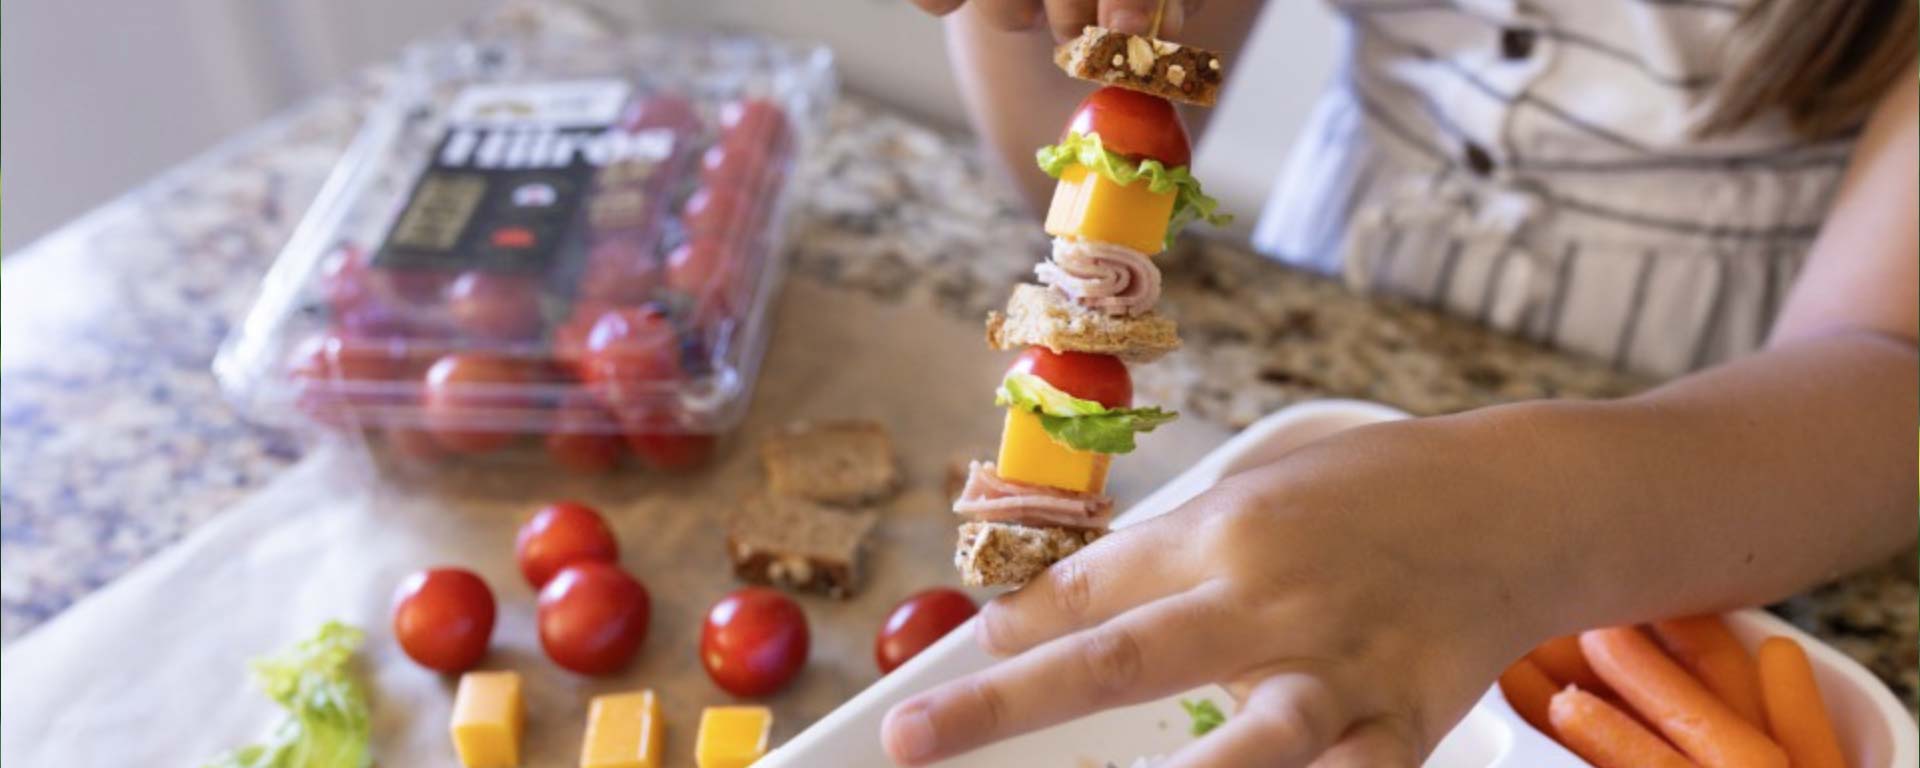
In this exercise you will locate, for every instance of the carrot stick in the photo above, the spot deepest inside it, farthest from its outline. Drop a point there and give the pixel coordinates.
(1606, 736)
(1798, 716)
(1528, 689)
(1683, 710)
(1705, 646)
(1561, 659)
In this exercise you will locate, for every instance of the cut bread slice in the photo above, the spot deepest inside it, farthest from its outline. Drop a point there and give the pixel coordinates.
(834, 462)
(1009, 554)
(797, 544)
(1145, 64)
(1038, 316)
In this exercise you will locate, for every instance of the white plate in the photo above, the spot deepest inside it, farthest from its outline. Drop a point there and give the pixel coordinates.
(1874, 728)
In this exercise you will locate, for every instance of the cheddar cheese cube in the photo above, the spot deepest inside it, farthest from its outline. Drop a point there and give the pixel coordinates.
(732, 737)
(1029, 455)
(1089, 206)
(623, 731)
(487, 717)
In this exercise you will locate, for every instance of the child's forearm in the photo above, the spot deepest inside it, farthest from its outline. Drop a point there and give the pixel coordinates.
(1735, 486)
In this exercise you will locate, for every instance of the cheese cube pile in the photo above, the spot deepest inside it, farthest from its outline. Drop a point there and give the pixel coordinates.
(487, 720)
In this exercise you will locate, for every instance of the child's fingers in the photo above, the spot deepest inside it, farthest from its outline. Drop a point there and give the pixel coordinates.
(1007, 15)
(1135, 17)
(1289, 720)
(1122, 570)
(939, 7)
(1068, 17)
(1376, 743)
(1158, 649)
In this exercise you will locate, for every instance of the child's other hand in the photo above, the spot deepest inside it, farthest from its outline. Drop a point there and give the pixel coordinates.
(1352, 596)
(1067, 17)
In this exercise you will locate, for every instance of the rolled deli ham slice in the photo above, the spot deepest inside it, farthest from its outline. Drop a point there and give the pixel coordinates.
(1104, 277)
(988, 497)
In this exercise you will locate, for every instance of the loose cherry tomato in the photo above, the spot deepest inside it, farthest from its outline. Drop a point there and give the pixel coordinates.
(443, 618)
(560, 535)
(1100, 378)
(916, 622)
(500, 307)
(462, 388)
(593, 617)
(671, 451)
(754, 641)
(628, 351)
(585, 440)
(1134, 124)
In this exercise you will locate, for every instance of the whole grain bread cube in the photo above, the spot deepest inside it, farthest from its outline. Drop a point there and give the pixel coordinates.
(832, 462)
(1009, 554)
(1038, 316)
(1136, 62)
(798, 544)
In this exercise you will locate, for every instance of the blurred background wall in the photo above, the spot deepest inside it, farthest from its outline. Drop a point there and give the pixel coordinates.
(100, 96)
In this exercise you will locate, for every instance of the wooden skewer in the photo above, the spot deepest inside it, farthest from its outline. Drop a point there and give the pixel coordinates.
(1159, 10)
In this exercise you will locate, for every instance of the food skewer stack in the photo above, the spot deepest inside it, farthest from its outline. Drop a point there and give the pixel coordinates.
(1124, 192)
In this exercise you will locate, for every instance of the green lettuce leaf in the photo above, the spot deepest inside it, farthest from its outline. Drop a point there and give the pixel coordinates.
(327, 725)
(1206, 715)
(1080, 424)
(1190, 204)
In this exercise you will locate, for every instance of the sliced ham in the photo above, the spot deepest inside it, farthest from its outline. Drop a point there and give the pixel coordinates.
(988, 497)
(1104, 277)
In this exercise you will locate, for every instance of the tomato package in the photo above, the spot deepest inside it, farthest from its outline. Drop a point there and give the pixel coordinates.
(563, 253)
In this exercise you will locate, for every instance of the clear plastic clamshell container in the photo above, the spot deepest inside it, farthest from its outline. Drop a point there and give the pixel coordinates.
(531, 250)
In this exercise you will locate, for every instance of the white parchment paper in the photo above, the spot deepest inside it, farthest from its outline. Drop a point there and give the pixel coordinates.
(151, 670)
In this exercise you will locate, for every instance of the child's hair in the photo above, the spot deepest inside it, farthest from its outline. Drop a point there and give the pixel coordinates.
(1823, 63)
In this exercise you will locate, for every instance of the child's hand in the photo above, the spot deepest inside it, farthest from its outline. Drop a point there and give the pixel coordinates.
(1067, 17)
(1352, 599)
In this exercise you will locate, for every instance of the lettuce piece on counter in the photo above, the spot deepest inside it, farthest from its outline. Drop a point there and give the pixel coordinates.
(327, 723)
(1190, 204)
(1205, 714)
(1081, 424)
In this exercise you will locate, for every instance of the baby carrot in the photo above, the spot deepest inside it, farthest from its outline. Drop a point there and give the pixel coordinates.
(1561, 659)
(1794, 708)
(1528, 689)
(1705, 646)
(1605, 736)
(1683, 710)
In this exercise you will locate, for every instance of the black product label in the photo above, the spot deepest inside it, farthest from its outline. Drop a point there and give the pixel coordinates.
(504, 189)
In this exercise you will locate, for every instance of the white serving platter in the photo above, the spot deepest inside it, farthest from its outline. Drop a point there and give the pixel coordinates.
(1875, 729)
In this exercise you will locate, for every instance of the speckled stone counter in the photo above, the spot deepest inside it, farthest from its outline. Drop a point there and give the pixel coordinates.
(114, 440)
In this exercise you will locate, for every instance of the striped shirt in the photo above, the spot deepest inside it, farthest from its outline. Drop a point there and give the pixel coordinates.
(1529, 163)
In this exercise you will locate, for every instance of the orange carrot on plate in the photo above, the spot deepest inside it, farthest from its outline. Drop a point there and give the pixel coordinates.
(1562, 660)
(1528, 689)
(1794, 707)
(1708, 649)
(1606, 736)
(1682, 709)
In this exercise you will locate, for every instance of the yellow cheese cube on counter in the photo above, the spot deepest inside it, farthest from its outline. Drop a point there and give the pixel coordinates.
(1088, 206)
(732, 737)
(1029, 455)
(623, 731)
(487, 717)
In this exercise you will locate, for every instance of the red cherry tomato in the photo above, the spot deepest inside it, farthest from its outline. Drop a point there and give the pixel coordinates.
(732, 167)
(628, 353)
(593, 617)
(662, 111)
(585, 440)
(1134, 124)
(463, 388)
(705, 268)
(1100, 378)
(416, 286)
(501, 307)
(718, 212)
(753, 642)
(560, 535)
(670, 451)
(756, 119)
(918, 621)
(443, 618)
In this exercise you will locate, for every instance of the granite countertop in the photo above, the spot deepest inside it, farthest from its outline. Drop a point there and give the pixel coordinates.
(114, 439)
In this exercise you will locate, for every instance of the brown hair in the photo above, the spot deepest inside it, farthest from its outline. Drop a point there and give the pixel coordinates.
(1823, 63)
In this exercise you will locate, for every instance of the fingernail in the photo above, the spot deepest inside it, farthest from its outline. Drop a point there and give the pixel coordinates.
(1128, 21)
(910, 733)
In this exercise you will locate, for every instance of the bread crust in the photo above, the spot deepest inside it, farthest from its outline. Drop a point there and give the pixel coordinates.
(1009, 554)
(1165, 69)
(1038, 316)
(844, 462)
(799, 545)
